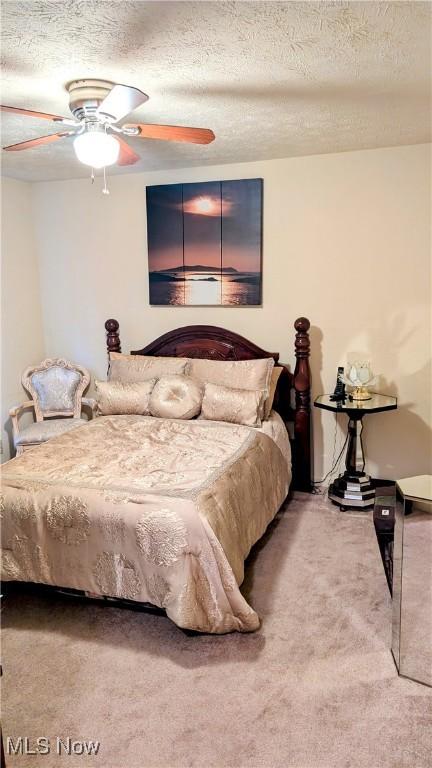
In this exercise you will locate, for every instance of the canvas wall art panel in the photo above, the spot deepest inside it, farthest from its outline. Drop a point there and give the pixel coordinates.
(205, 243)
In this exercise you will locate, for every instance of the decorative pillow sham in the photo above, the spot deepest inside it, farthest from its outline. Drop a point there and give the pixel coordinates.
(115, 398)
(176, 397)
(130, 369)
(238, 406)
(276, 372)
(240, 374)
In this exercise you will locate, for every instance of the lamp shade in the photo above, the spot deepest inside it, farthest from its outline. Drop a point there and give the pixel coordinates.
(97, 149)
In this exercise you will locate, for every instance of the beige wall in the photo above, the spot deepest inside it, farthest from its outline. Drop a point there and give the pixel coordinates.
(21, 318)
(346, 243)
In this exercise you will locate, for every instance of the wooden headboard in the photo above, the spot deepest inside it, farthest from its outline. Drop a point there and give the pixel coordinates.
(292, 399)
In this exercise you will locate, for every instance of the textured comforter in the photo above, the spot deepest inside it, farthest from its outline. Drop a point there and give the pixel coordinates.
(152, 510)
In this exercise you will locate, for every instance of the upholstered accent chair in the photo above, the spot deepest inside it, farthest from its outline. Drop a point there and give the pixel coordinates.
(56, 387)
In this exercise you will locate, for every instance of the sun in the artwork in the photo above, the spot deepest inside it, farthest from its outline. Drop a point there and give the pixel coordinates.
(205, 205)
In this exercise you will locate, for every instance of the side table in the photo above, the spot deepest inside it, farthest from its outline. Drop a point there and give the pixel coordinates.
(354, 487)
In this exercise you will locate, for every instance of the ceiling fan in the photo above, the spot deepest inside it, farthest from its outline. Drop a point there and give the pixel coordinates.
(98, 106)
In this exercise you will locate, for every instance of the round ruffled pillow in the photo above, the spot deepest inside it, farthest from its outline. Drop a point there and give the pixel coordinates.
(176, 397)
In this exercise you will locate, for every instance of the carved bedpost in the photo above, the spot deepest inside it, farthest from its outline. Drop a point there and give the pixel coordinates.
(302, 423)
(113, 336)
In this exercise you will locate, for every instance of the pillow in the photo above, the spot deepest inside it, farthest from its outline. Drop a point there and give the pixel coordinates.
(276, 372)
(130, 369)
(115, 398)
(240, 374)
(176, 397)
(239, 406)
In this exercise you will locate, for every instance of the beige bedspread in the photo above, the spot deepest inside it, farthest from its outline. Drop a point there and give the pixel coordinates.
(153, 510)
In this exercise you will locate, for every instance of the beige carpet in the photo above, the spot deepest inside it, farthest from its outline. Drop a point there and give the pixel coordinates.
(314, 688)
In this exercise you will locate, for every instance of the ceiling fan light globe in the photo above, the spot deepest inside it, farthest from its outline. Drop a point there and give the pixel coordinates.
(97, 149)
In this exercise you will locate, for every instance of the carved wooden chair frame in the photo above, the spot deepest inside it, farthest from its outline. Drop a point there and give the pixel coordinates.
(79, 400)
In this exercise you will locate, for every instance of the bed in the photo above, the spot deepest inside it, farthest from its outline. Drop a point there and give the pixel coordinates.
(160, 511)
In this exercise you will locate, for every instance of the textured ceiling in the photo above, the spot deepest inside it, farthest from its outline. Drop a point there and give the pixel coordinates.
(272, 79)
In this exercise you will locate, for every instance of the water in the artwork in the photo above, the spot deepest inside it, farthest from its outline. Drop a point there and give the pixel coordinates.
(205, 288)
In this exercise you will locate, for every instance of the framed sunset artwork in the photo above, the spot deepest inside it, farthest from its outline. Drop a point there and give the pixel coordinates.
(205, 243)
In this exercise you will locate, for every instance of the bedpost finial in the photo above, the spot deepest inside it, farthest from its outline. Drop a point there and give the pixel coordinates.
(113, 338)
(302, 324)
(302, 342)
(112, 325)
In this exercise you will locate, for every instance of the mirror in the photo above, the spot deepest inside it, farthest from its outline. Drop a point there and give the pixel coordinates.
(412, 580)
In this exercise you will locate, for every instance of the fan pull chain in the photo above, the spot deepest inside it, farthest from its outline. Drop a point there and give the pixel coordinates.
(105, 190)
(92, 176)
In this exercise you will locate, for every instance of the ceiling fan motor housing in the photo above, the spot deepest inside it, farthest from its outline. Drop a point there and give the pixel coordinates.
(85, 96)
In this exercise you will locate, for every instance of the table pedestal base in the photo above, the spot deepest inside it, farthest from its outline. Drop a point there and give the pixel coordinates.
(352, 490)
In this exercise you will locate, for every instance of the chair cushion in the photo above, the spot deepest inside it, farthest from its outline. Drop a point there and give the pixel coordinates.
(55, 388)
(40, 431)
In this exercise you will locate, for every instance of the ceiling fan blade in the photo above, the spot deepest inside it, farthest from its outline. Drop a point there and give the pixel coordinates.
(127, 155)
(30, 113)
(121, 100)
(173, 133)
(37, 142)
